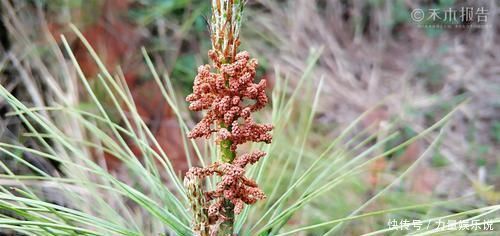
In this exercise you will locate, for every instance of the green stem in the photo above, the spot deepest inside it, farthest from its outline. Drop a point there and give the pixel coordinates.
(227, 227)
(227, 156)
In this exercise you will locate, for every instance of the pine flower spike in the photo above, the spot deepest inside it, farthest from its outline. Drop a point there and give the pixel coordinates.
(227, 92)
(230, 96)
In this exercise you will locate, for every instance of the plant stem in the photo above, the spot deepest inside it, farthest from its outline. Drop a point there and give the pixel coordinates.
(227, 227)
(227, 156)
(221, 31)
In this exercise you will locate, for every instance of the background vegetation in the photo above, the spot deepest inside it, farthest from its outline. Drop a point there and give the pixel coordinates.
(377, 118)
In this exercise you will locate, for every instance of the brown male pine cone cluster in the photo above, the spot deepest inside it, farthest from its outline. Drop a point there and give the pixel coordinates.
(228, 92)
(234, 186)
(224, 95)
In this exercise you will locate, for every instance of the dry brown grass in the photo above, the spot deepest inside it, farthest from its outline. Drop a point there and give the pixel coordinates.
(366, 59)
